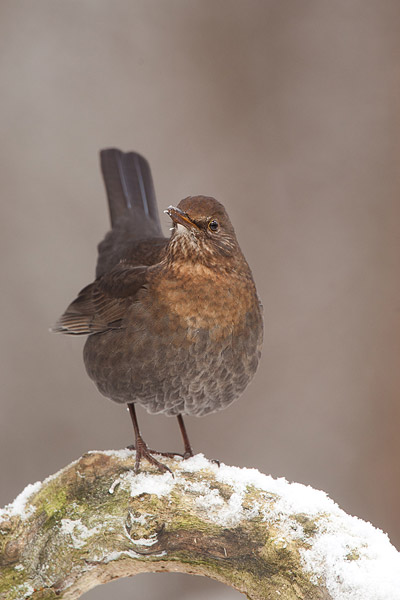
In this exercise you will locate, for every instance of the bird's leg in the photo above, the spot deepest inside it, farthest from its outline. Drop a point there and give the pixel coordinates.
(188, 449)
(142, 450)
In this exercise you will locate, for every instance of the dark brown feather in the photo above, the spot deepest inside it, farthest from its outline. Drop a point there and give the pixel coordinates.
(102, 305)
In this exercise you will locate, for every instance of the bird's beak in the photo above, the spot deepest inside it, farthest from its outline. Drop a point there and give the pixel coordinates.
(180, 218)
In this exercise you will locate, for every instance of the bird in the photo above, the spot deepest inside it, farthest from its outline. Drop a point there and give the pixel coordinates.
(174, 324)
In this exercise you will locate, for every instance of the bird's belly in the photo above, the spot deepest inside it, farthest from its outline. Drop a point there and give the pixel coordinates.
(182, 370)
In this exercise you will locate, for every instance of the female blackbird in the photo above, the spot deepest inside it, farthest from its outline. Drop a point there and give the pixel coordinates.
(174, 324)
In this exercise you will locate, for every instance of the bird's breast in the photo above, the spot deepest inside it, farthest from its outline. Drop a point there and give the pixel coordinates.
(201, 299)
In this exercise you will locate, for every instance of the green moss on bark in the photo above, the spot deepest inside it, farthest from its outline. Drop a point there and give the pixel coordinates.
(87, 528)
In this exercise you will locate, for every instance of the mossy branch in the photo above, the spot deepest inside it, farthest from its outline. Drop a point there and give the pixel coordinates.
(96, 521)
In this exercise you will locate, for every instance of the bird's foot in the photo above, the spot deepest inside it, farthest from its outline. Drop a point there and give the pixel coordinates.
(142, 451)
(185, 455)
(167, 454)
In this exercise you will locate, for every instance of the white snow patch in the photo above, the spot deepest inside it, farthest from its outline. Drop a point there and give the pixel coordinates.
(354, 559)
(123, 454)
(223, 512)
(160, 485)
(18, 507)
(139, 483)
(143, 483)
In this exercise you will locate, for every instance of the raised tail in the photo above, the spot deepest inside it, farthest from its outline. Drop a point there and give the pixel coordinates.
(136, 233)
(130, 191)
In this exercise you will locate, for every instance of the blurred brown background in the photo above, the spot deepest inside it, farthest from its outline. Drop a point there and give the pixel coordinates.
(286, 111)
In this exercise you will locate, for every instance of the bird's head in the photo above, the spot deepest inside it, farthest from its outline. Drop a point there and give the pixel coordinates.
(202, 231)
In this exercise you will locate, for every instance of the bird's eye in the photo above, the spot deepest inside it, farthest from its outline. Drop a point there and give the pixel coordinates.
(213, 225)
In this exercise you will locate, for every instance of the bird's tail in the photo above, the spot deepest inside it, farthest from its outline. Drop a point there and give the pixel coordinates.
(130, 192)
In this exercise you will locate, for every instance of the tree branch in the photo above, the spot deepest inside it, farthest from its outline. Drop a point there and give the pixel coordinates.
(96, 520)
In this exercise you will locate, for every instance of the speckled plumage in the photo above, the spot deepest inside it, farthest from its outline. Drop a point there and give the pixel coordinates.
(180, 348)
(173, 325)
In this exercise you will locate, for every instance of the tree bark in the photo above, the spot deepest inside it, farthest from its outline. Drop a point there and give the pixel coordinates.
(96, 520)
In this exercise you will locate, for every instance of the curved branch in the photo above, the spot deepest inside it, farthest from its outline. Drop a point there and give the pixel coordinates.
(96, 520)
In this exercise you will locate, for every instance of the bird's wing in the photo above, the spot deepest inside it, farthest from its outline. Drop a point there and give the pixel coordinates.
(102, 305)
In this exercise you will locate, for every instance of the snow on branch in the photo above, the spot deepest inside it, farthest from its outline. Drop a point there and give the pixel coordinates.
(96, 520)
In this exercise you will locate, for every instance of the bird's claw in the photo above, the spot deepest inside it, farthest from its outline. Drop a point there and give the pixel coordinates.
(142, 451)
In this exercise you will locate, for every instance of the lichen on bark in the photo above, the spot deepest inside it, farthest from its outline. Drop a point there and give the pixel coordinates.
(97, 520)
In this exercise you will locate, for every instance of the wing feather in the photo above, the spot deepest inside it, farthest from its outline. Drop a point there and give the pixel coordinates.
(101, 306)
